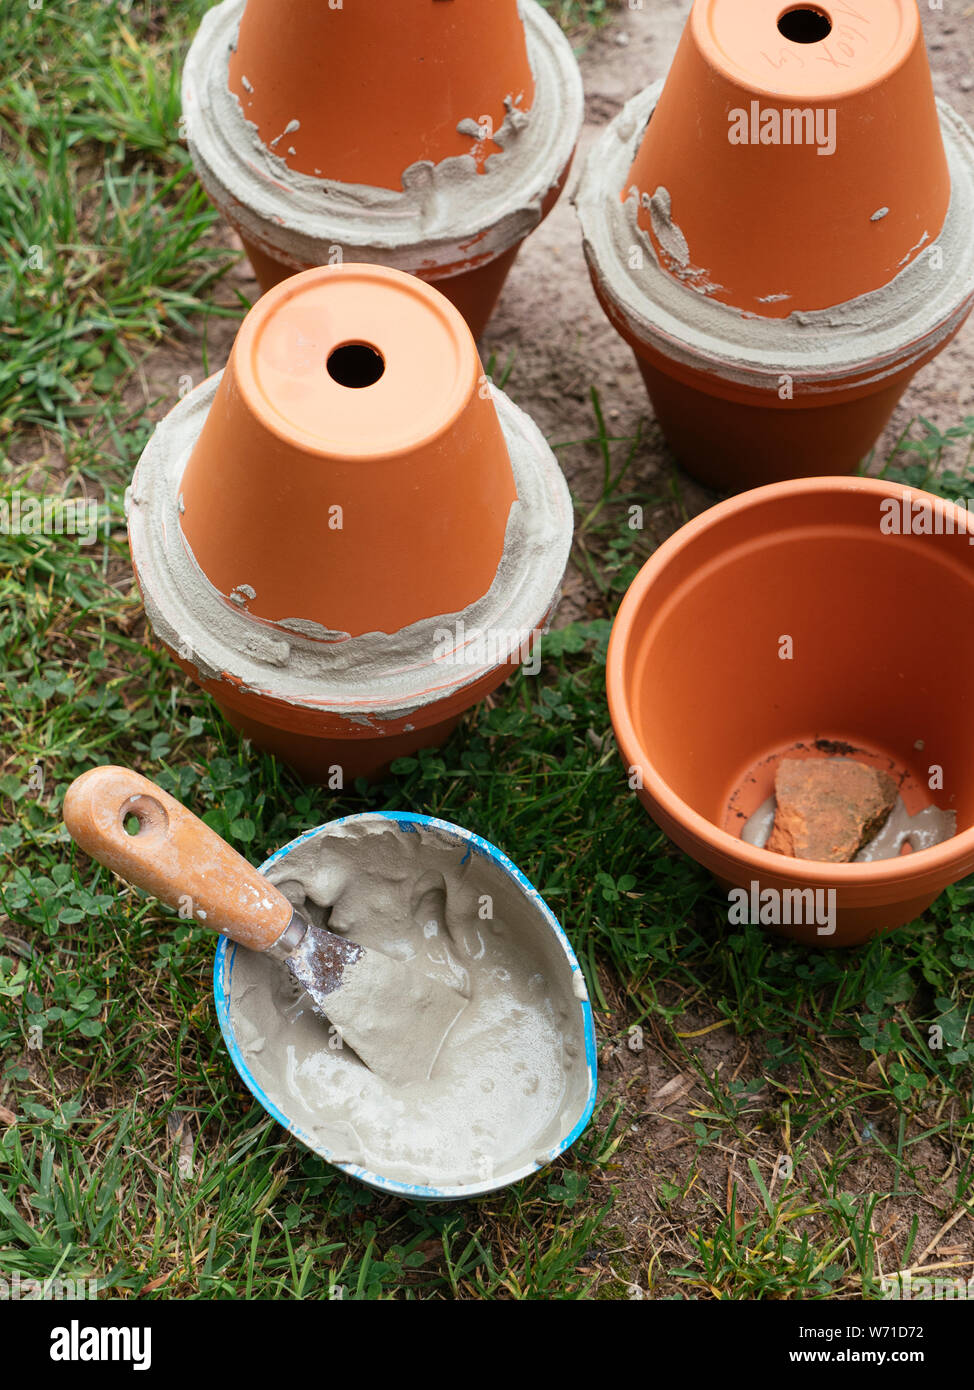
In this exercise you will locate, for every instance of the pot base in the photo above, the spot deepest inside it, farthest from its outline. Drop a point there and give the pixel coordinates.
(321, 762)
(756, 784)
(729, 446)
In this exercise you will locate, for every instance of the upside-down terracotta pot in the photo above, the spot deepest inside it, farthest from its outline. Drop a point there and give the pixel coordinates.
(806, 618)
(429, 135)
(781, 232)
(349, 537)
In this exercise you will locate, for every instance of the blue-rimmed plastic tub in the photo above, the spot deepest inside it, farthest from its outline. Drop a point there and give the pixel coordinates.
(406, 821)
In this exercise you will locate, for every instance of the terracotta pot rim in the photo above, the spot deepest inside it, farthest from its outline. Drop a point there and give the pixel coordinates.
(934, 866)
(342, 677)
(909, 319)
(397, 229)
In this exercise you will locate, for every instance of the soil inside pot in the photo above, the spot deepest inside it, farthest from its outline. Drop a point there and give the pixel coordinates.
(511, 1079)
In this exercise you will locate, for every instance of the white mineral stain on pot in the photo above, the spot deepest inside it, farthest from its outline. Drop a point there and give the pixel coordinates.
(673, 243)
(670, 237)
(289, 129)
(927, 828)
(511, 1079)
(914, 249)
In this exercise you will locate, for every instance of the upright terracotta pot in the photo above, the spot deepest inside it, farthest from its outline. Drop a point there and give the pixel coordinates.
(781, 231)
(804, 618)
(348, 537)
(429, 135)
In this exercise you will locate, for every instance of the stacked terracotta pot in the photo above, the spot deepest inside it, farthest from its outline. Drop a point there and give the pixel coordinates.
(348, 537)
(782, 233)
(427, 135)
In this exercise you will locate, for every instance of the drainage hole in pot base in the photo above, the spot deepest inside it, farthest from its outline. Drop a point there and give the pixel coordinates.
(356, 365)
(805, 25)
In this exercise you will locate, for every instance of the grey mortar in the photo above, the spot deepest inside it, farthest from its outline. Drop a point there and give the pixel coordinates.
(511, 1081)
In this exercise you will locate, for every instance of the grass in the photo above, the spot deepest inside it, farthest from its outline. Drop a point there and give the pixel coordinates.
(580, 18)
(774, 1122)
(103, 228)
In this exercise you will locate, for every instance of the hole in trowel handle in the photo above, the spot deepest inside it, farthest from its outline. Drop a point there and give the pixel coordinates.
(356, 365)
(805, 24)
(143, 814)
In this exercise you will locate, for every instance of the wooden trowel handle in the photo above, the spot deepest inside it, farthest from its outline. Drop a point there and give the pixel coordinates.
(149, 839)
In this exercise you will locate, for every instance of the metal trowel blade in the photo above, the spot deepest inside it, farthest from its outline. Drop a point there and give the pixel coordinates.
(392, 1015)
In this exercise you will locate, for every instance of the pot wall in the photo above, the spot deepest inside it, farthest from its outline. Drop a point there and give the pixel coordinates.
(315, 742)
(474, 287)
(316, 759)
(729, 445)
(474, 292)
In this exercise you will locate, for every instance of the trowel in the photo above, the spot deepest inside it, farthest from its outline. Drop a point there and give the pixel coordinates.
(154, 843)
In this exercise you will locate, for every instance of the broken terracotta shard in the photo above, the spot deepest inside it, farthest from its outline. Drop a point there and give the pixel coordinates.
(828, 808)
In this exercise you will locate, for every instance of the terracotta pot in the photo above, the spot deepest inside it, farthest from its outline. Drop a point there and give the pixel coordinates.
(780, 296)
(426, 136)
(704, 706)
(348, 537)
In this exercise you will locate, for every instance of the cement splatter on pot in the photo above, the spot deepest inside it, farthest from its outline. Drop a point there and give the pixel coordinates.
(813, 618)
(349, 537)
(781, 231)
(516, 1085)
(431, 136)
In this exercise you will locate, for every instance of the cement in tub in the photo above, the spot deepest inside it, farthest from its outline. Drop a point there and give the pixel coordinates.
(514, 1085)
